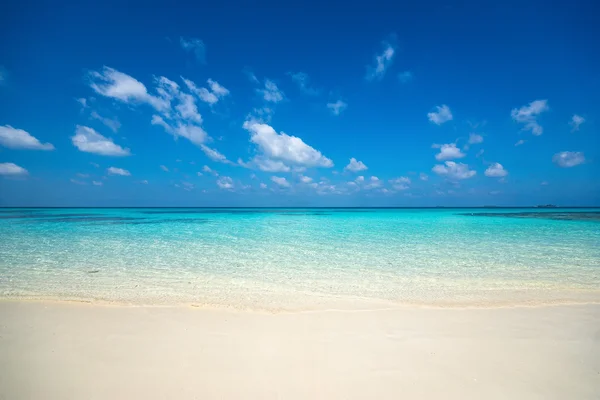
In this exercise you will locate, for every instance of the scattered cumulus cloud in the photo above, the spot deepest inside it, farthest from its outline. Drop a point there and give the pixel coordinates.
(305, 179)
(14, 138)
(225, 183)
(117, 85)
(284, 148)
(441, 115)
(164, 168)
(496, 170)
(374, 182)
(527, 116)
(360, 179)
(453, 170)
(263, 186)
(97, 183)
(208, 170)
(271, 92)
(280, 181)
(474, 138)
(194, 46)
(401, 183)
(213, 154)
(210, 96)
(405, 76)
(89, 141)
(265, 164)
(576, 121)
(337, 107)
(567, 159)
(382, 62)
(112, 124)
(519, 142)
(354, 165)
(303, 82)
(118, 171)
(11, 169)
(423, 176)
(448, 152)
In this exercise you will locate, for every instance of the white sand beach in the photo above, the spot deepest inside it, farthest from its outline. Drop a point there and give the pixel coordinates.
(54, 350)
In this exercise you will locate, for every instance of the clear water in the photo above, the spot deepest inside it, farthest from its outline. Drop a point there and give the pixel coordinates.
(298, 258)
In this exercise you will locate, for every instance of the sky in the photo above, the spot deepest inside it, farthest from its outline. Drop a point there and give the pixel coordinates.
(439, 103)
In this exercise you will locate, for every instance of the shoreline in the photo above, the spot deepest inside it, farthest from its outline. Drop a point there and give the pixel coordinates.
(67, 350)
(359, 305)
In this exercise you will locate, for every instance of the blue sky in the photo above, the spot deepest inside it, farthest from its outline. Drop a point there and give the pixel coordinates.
(261, 104)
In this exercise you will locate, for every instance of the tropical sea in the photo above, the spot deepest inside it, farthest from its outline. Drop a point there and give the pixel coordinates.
(301, 259)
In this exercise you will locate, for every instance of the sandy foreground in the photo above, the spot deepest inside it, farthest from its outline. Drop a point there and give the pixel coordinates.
(81, 351)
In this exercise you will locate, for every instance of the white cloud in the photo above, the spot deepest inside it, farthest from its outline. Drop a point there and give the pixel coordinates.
(83, 103)
(263, 186)
(97, 183)
(75, 181)
(266, 164)
(89, 141)
(442, 115)
(11, 169)
(496, 170)
(405, 77)
(453, 170)
(211, 96)
(14, 138)
(280, 181)
(475, 138)
(337, 107)
(164, 168)
(401, 183)
(382, 63)
(527, 115)
(519, 142)
(113, 124)
(576, 121)
(271, 92)
(217, 89)
(303, 82)
(355, 165)
(567, 159)
(225, 183)
(187, 108)
(213, 154)
(360, 179)
(195, 46)
(118, 171)
(448, 152)
(305, 179)
(144, 182)
(285, 148)
(95, 164)
(117, 85)
(208, 170)
(423, 176)
(193, 133)
(374, 182)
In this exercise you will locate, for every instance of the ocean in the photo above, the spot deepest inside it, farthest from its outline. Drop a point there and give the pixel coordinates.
(301, 259)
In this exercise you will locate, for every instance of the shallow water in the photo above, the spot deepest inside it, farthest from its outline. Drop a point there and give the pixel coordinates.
(302, 258)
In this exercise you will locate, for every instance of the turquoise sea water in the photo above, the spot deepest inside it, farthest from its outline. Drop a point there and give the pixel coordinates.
(302, 258)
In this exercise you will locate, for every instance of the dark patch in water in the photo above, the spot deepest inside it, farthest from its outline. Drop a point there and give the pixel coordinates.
(305, 213)
(81, 219)
(280, 211)
(44, 215)
(94, 271)
(558, 216)
(161, 221)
